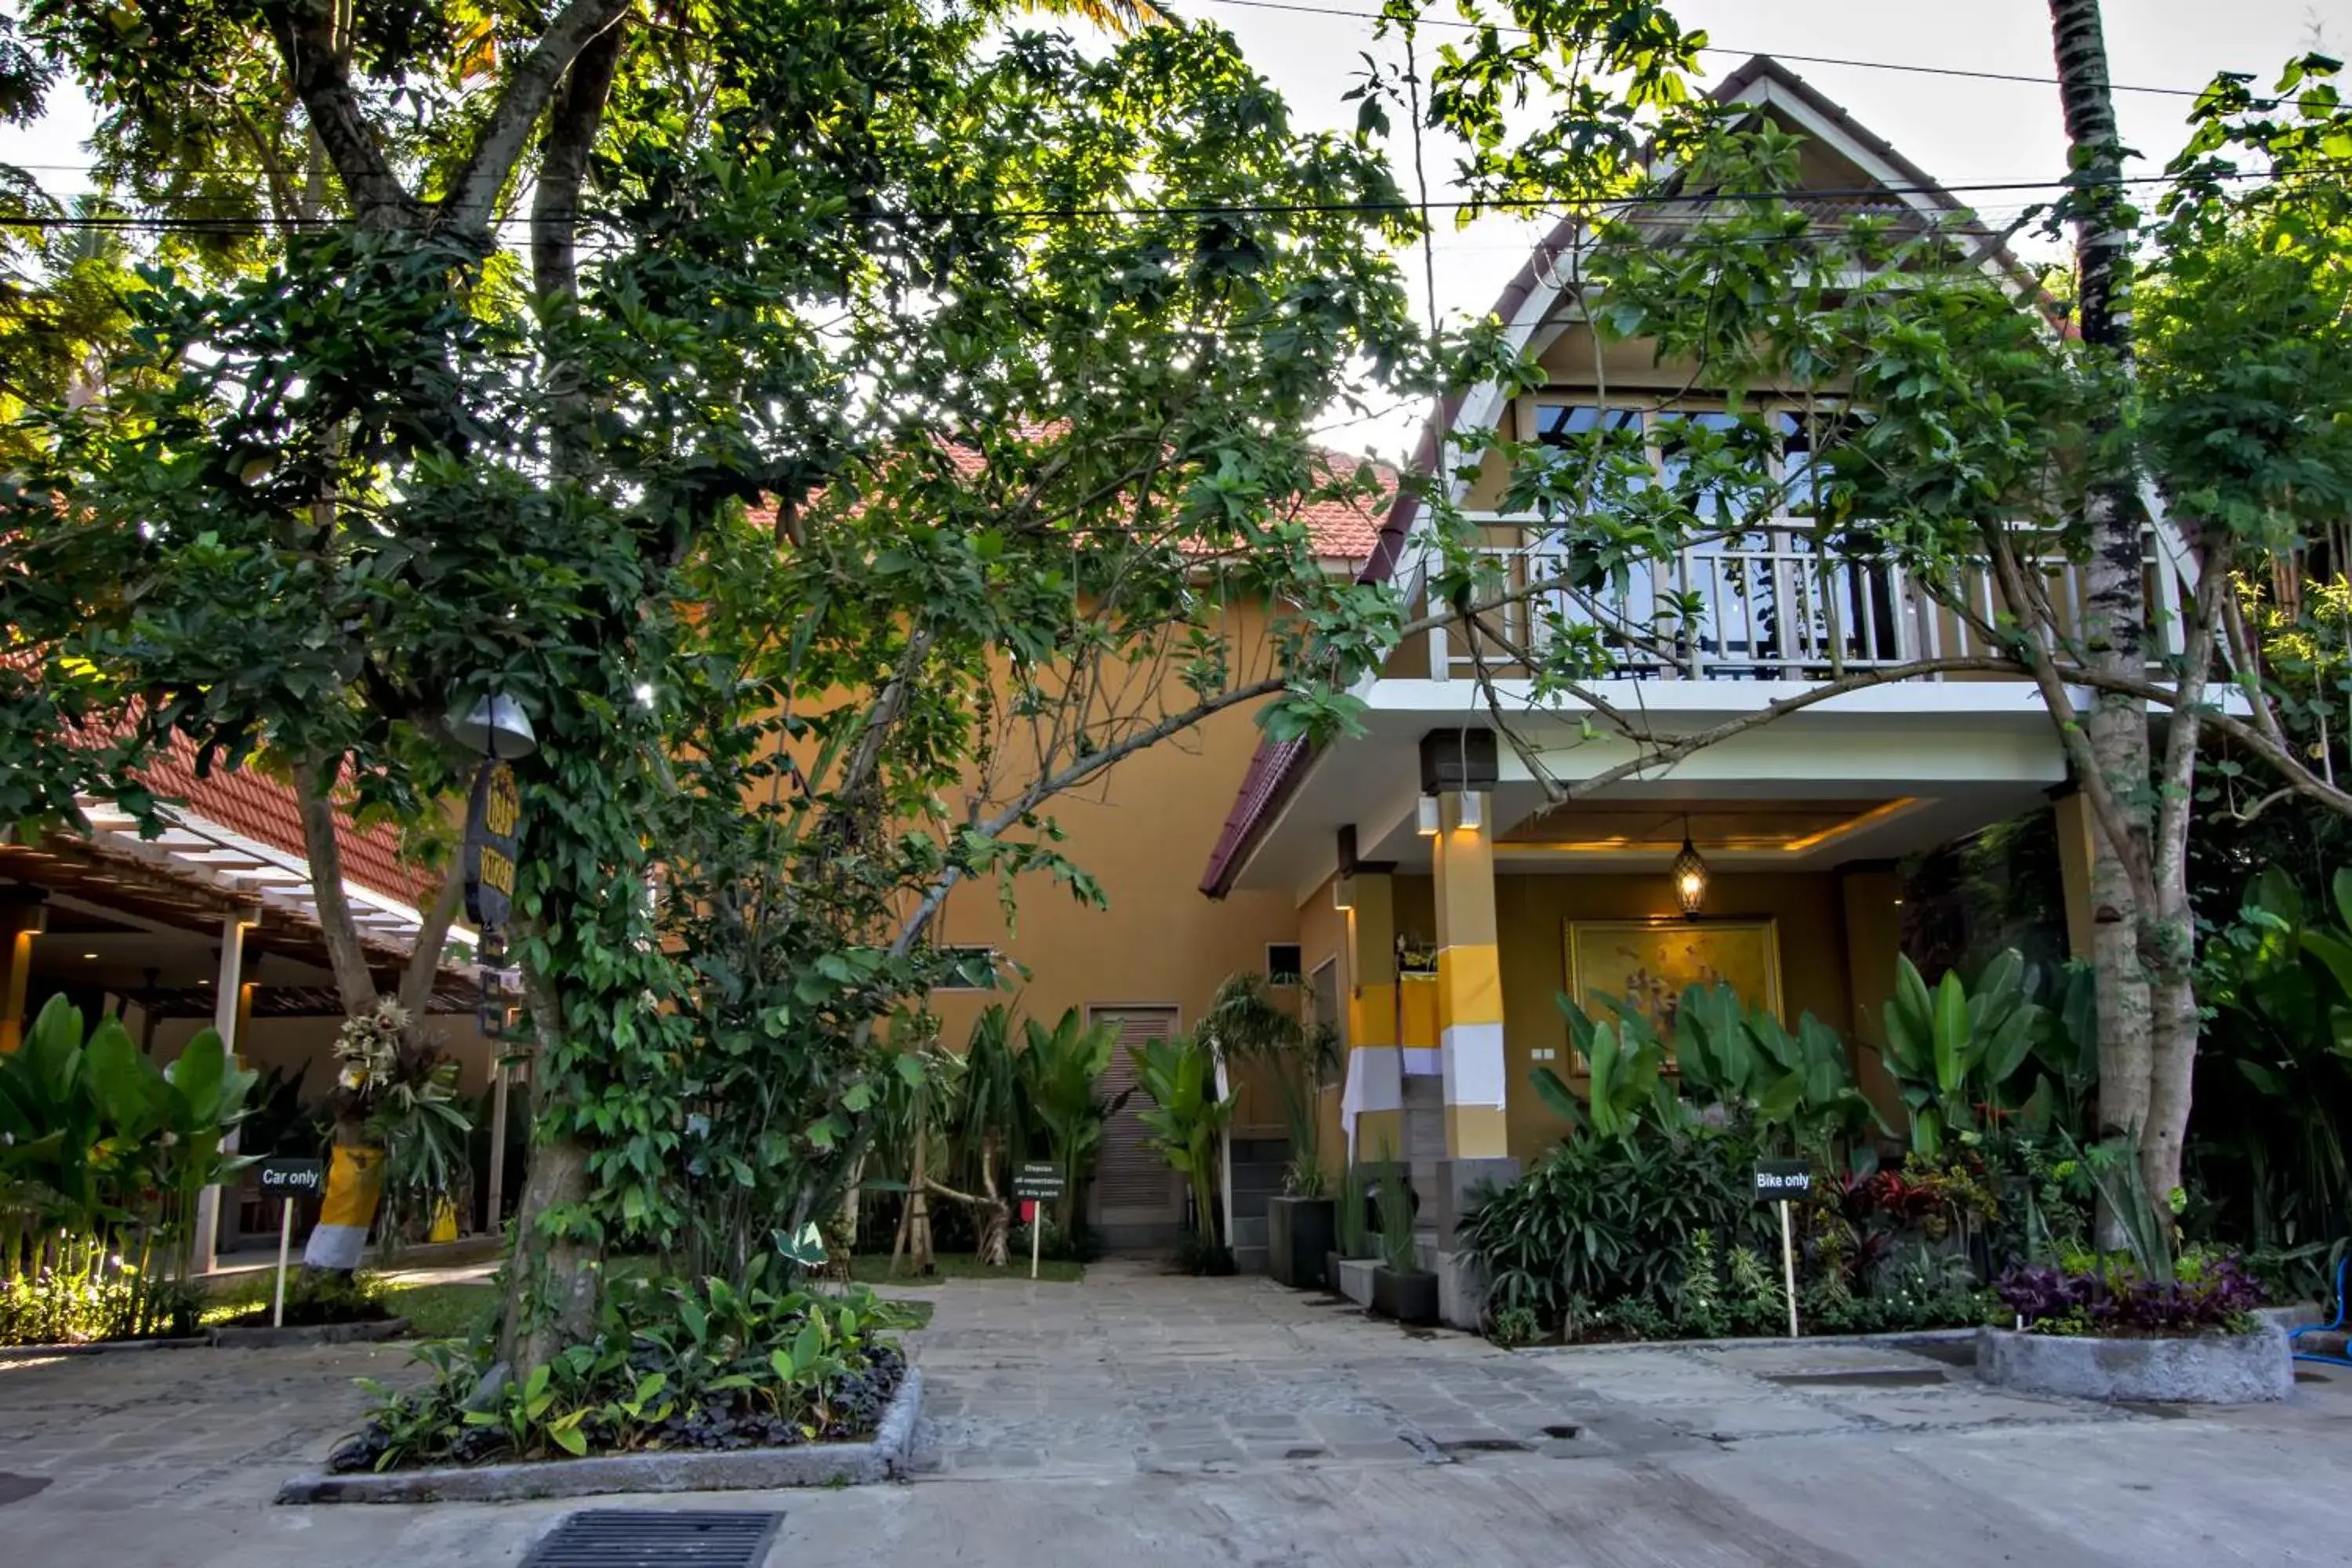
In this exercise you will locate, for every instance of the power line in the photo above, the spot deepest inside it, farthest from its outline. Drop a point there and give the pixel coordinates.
(163, 222)
(1303, 9)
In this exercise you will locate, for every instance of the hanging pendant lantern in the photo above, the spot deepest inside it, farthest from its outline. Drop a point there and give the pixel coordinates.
(497, 726)
(1689, 873)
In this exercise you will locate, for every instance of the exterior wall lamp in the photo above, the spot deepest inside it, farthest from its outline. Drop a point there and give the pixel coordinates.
(1425, 816)
(1343, 892)
(1689, 873)
(1472, 813)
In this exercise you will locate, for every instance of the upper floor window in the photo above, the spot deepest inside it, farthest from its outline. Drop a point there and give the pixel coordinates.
(1675, 440)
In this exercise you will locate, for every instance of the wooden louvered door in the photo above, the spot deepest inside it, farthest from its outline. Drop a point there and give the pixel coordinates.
(1137, 1201)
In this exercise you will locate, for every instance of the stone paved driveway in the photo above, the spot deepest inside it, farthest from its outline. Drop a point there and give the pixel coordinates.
(1140, 1419)
(1137, 1370)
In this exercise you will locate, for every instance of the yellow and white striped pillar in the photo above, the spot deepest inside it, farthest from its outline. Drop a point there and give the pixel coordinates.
(1371, 1103)
(1469, 980)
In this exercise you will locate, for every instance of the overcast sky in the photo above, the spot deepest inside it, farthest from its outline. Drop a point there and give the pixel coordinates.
(1960, 131)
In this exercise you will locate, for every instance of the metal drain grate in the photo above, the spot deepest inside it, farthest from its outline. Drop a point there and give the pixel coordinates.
(639, 1537)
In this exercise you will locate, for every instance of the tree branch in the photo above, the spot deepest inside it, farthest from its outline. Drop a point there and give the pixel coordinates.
(416, 981)
(353, 981)
(305, 34)
(474, 192)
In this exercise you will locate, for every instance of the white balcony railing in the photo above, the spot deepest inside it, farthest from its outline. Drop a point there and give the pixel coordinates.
(1767, 605)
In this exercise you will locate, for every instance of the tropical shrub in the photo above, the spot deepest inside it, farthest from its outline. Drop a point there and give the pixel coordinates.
(1186, 1120)
(1243, 1025)
(1797, 1088)
(1603, 1220)
(103, 1157)
(676, 1365)
(1956, 1051)
(2273, 1086)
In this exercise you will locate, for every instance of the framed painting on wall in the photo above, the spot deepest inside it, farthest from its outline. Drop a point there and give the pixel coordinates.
(1652, 963)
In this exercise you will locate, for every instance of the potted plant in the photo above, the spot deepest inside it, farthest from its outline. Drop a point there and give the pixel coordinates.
(1300, 1222)
(1351, 1240)
(1301, 1225)
(1402, 1287)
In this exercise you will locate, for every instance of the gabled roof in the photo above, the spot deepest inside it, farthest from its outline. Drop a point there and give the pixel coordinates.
(1525, 305)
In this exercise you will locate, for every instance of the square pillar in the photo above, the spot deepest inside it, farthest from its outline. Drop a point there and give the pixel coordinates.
(1469, 980)
(1371, 1103)
(232, 1008)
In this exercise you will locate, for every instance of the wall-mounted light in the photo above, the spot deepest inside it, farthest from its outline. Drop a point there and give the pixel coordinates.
(1689, 876)
(1425, 816)
(1472, 814)
(1343, 893)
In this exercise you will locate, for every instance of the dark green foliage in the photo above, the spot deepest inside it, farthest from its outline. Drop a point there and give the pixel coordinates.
(1606, 1219)
(2274, 1079)
(676, 1365)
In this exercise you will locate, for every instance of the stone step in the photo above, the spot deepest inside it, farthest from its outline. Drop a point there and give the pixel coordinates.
(1249, 1259)
(1249, 1231)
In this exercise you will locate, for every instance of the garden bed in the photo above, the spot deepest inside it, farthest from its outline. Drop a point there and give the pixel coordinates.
(881, 1458)
(2202, 1368)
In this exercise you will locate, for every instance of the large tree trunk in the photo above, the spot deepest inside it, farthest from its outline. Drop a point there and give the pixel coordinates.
(2114, 597)
(552, 1280)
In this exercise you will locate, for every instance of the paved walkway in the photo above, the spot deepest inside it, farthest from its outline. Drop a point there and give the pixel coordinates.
(1140, 1419)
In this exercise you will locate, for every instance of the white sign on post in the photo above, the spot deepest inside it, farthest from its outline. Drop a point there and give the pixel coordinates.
(1782, 1183)
(1035, 1181)
(286, 1179)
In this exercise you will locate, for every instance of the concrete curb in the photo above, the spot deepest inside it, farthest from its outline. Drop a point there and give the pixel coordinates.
(102, 1347)
(1893, 1338)
(232, 1337)
(2211, 1369)
(743, 1469)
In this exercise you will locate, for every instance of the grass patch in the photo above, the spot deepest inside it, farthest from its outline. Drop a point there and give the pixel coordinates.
(874, 1268)
(442, 1311)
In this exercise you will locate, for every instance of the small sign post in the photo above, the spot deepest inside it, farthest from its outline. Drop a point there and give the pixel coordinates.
(1036, 1181)
(286, 1178)
(1782, 1183)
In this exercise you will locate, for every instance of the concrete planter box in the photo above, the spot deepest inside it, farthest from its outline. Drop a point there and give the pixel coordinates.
(1355, 1280)
(2209, 1369)
(1409, 1297)
(742, 1469)
(1298, 1233)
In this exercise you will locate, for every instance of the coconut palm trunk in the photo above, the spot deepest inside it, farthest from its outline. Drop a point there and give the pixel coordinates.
(2132, 950)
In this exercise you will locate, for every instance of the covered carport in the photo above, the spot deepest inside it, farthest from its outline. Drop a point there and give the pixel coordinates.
(212, 923)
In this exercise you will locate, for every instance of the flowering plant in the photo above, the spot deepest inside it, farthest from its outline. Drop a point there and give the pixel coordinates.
(2114, 1299)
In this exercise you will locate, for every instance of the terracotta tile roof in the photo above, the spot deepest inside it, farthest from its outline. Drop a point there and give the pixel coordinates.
(260, 808)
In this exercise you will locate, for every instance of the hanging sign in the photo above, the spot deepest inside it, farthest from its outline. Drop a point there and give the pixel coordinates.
(490, 826)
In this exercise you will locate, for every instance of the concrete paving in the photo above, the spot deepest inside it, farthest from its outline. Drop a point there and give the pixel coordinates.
(1139, 1419)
